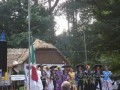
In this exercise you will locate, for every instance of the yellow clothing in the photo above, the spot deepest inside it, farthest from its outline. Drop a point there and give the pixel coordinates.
(73, 87)
(6, 75)
(72, 77)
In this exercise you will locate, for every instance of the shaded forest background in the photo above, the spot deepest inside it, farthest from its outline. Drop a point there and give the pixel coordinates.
(98, 20)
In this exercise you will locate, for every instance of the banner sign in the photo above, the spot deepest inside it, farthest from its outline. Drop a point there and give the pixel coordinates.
(17, 77)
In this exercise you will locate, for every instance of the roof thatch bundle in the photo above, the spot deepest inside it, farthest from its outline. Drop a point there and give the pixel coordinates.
(42, 44)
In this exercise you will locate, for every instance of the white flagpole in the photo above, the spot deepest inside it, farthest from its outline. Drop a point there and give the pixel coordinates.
(29, 32)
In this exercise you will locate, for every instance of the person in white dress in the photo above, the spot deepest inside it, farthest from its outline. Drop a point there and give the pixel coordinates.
(39, 83)
(49, 81)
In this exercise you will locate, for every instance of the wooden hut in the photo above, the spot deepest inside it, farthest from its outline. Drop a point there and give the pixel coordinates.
(45, 53)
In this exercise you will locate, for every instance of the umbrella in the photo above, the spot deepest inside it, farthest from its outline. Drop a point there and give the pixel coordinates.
(80, 65)
(97, 65)
(53, 67)
(66, 66)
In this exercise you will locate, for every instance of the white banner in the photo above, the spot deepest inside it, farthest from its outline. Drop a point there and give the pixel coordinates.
(17, 77)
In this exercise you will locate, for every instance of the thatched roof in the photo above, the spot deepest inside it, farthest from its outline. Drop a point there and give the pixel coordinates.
(42, 44)
(14, 55)
(21, 54)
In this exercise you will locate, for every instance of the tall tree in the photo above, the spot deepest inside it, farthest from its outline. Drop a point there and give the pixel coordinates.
(78, 16)
(13, 16)
(99, 20)
(105, 31)
(107, 25)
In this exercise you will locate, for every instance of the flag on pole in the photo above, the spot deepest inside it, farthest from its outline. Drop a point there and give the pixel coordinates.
(2, 38)
(34, 70)
(32, 53)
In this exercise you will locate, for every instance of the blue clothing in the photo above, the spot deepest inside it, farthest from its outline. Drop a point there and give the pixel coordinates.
(106, 75)
(107, 84)
(76, 79)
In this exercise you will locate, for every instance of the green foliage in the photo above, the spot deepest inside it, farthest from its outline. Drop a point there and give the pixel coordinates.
(100, 20)
(14, 21)
(105, 32)
(111, 59)
(77, 14)
(107, 26)
(18, 40)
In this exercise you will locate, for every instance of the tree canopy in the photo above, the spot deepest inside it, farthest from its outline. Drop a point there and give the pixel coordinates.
(99, 20)
(13, 20)
(95, 21)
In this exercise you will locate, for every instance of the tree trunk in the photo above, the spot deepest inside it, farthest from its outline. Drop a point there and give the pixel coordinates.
(49, 3)
(53, 7)
(36, 2)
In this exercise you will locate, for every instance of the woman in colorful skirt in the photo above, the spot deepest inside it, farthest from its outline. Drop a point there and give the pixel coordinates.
(97, 75)
(65, 74)
(107, 83)
(72, 79)
(80, 76)
(59, 80)
(49, 80)
(54, 77)
(89, 83)
(71, 76)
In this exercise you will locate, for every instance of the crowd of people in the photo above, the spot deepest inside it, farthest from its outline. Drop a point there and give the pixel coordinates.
(83, 78)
